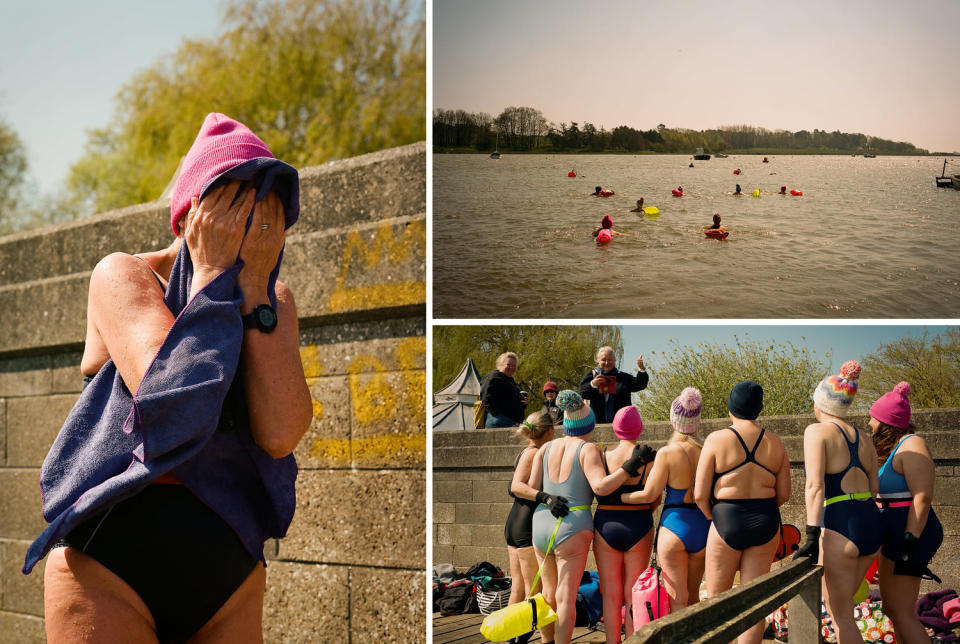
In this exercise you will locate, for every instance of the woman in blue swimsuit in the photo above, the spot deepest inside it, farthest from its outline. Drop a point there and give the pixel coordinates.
(911, 531)
(741, 490)
(571, 470)
(682, 538)
(841, 470)
(622, 533)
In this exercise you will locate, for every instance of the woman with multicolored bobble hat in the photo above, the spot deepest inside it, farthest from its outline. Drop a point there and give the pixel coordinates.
(682, 538)
(571, 469)
(911, 531)
(841, 470)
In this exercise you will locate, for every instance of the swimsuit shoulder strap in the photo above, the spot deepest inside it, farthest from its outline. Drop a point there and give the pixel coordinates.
(753, 453)
(747, 452)
(155, 274)
(603, 457)
(893, 452)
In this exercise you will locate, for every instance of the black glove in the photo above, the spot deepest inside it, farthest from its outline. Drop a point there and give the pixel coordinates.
(557, 504)
(632, 464)
(907, 564)
(810, 547)
(647, 454)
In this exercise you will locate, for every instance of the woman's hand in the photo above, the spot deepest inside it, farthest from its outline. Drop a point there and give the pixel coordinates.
(213, 229)
(261, 246)
(599, 380)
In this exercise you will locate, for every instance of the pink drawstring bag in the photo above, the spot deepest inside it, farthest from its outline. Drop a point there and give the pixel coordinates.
(650, 599)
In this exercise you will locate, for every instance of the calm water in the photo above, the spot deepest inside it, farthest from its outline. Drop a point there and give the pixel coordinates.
(869, 238)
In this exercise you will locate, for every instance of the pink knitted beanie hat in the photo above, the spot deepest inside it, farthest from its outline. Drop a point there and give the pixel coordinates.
(627, 423)
(227, 149)
(893, 407)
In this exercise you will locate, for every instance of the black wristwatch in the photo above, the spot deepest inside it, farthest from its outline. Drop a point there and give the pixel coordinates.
(263, 318)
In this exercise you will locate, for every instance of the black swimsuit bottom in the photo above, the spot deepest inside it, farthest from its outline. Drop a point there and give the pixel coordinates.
(180, 556)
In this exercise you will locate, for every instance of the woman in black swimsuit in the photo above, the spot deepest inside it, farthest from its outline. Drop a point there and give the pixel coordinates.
(159, 562)
(743, 477)
(518, 531)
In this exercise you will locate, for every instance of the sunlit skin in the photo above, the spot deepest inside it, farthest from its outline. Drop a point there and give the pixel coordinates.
(523, 561)
(508, 366)
(825, 451)
(721, 451)
(565, 564)
(127, 321)
(899, 592)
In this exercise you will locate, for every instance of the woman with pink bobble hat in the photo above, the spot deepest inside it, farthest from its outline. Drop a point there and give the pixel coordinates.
(622, 532)
(911, 531)
(682, 537)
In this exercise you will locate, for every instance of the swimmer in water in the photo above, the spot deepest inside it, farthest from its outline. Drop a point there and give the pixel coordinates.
(737, 192)
(716, 222)
(783, 190)
(639, 207)
(606, 224)
(597, 190)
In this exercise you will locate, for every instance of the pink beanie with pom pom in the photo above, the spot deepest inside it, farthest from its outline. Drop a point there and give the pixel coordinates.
(835, 393)
(893, 407)
(685, 411)
(627, 424)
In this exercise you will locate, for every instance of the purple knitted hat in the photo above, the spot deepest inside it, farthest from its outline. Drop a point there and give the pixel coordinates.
(227, 149)
(685, 411)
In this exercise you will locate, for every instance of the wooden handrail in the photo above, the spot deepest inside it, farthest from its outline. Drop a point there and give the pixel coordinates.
(722, 618)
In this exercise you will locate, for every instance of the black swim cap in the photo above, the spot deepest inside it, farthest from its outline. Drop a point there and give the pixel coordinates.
(746, 400)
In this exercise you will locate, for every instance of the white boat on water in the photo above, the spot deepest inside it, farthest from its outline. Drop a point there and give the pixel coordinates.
(496, 148)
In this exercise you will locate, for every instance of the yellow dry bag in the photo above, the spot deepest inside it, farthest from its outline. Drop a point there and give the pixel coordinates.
(517, 619)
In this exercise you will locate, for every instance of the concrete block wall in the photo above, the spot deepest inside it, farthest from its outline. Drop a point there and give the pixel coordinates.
(351, 567)
(472, 472)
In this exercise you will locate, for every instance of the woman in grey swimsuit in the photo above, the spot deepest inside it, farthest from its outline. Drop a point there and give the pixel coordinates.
(571, 469)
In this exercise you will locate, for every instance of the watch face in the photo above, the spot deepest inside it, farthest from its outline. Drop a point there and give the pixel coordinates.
(265, 317)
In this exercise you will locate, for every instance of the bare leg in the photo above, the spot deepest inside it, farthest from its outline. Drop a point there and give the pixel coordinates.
(571, 560)
(549, 579)
(635, 561)
(755, 561)
(517, 588)
(673, 559)
(83, 601)
(899, 593)
(721, 563)
(240, 619)
(529, 565)
(695, 564)
(610, 569)
(843, 568)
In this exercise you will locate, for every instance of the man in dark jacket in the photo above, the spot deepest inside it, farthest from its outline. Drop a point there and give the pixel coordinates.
(501, 394)
(607, 388)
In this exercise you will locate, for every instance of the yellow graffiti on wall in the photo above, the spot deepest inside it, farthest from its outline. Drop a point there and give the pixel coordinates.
(376, 397)
(386, 247)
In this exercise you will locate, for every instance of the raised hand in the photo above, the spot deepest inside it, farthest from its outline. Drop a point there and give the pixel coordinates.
(213, 228)
(261, 246)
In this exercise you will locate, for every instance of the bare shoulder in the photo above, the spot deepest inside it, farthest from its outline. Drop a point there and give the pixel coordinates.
(119, 275)
(915, 443)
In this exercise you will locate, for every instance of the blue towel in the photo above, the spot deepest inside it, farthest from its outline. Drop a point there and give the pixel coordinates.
(113, 444)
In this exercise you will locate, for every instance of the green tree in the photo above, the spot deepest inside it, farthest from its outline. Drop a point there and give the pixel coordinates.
(13, 171)
(316, 79)
(559, 353)
(931, 364)
(787, 373)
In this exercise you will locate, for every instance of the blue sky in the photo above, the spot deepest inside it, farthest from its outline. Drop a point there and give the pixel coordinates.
(842, 342)
(62, 62)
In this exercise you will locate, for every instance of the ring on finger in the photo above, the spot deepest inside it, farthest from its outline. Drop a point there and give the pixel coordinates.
(264, 226)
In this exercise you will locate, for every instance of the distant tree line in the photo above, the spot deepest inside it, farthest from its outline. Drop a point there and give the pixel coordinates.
(524, 129)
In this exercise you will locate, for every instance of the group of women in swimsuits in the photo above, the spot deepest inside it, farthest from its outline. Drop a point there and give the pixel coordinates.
(869, 494)
(721, 501)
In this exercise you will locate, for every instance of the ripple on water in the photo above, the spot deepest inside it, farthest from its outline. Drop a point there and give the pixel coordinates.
(512, 238)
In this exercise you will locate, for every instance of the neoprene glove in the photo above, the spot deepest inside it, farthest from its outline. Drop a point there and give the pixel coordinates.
(632, 464)
(810, 547)
(907, 564)
(557, 504)
(647, 454)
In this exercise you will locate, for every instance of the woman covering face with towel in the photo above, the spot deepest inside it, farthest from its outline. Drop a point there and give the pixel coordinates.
(175, 465)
